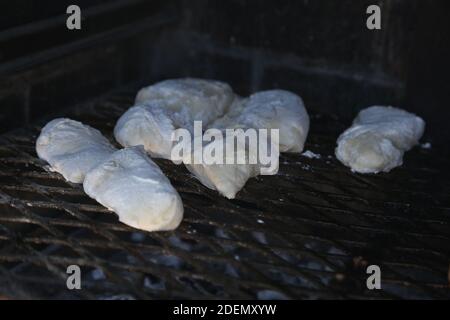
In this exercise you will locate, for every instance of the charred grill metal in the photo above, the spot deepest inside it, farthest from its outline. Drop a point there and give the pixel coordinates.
(308, 232)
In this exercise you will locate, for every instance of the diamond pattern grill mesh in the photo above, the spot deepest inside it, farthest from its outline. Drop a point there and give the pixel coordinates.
(308, 232)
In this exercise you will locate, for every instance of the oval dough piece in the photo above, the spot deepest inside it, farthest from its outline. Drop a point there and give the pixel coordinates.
(72, 148)
(133, 186)
(170, 105)
(272, 109)
(205, 100)
(150, 125)
(378, 138)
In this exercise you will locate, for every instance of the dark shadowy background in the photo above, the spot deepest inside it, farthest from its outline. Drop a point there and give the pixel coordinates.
(319, 49)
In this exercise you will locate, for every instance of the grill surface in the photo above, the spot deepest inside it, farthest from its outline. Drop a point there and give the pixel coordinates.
(308, 232)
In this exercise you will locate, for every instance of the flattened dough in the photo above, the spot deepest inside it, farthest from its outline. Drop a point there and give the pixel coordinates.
(72, 148)
(169, 105)
(378, 138)
(133, 186)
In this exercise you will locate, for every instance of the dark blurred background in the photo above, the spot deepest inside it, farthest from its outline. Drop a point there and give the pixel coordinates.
(319, 49)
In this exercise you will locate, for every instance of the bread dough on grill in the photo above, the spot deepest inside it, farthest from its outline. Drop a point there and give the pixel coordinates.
(151, 125)
(205, 100)
(133, 186)
(378, 138)
(72, 148)
(168, 105)
(227, 179)
(273, 109)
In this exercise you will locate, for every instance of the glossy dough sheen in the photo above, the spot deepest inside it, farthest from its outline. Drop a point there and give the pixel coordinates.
(378, 138)
(274, 109)
(72, 148)
(134, 187)
(168, 105)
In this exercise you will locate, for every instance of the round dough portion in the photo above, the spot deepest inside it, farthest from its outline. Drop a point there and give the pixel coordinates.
(367, 152)
(403, 128)
(378, 139)
(150, 125)
(272, 109)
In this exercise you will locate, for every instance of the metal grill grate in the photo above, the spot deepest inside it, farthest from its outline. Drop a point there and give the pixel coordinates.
(308, 232)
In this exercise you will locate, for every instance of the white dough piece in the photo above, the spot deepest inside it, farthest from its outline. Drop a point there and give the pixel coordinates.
(72, 148)
(205, 100)
(228, 179)
(169, 105)
(133, 186)
(378, 138)
(274, 109)
(150, 125)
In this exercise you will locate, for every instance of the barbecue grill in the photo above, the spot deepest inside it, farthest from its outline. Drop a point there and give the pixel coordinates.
(309, 232)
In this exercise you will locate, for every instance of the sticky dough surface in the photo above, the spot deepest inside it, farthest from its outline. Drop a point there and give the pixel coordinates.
(378, 139)
(227, 179)
(168, 105)
(72, 148)
(133, 186)
(274, 109)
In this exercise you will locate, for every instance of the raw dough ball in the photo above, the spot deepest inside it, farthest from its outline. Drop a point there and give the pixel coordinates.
(169, 105)
(378, 138)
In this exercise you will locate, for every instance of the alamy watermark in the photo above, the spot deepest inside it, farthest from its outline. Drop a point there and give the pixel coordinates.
(374, 20)
(73, 281)
(227, 146)
(374, 280)
(73, 22)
